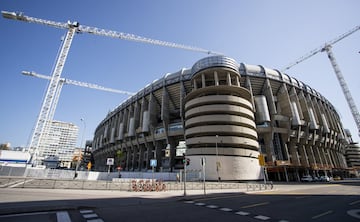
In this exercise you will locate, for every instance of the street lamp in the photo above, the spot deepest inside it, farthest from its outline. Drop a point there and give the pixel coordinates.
(81, 146)
(83, 133)
(217, 160)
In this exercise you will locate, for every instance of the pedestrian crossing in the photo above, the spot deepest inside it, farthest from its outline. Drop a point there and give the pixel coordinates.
(90, 216)
(237, 212)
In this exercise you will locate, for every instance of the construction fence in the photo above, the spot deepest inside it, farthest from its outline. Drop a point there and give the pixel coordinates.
(21, 177)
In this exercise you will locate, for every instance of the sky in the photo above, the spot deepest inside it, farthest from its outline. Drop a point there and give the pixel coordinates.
(272, 33)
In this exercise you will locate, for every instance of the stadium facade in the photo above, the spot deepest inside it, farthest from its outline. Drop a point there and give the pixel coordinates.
(230, 115)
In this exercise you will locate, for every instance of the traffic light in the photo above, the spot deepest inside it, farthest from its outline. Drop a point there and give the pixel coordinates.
(186, 161)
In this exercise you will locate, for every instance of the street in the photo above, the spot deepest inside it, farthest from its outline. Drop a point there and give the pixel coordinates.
(292, 202)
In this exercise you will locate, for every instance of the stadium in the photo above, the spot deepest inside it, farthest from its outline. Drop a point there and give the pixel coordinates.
(243, 121)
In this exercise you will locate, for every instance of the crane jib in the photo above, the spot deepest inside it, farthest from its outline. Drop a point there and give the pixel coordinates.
(102, 32)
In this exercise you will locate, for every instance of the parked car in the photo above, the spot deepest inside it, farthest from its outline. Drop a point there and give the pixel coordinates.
(316, 179)
(325, 179)
(306, 178)
(337, 178)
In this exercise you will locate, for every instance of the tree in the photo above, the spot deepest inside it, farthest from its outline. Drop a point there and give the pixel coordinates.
(119, 157)
(5, 146)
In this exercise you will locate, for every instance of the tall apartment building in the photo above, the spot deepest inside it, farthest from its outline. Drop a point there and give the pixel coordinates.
(57, 144)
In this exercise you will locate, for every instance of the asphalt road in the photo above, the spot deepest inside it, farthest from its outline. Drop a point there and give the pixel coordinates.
(295, 202)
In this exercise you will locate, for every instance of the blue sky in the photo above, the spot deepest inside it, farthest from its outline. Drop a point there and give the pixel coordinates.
(269, 33)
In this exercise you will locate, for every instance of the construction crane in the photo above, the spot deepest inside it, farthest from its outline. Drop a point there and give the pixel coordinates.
(78, 83)
(327, 48)
(103, 32)
(63, 81)
(47, 108)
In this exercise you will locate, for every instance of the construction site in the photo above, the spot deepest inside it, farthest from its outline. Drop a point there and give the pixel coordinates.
(232, 120)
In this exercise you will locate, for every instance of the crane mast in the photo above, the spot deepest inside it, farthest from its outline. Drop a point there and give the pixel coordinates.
(53, 91)
(344, 87)
(44, 117)
(327, 48)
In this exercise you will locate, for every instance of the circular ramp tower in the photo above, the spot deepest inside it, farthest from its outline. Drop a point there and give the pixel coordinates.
(220, 123)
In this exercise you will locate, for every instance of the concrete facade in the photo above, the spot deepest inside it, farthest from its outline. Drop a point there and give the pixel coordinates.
(57, 144)
(228, 113)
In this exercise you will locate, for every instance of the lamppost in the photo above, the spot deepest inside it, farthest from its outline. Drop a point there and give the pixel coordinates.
(83, 133)
(81, 146)
(217, 156)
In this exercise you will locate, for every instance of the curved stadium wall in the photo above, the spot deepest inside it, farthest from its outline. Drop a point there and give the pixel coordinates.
(229, 114)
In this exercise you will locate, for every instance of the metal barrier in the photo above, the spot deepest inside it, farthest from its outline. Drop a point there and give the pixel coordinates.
(21, 177)
(259, 186)
(147, 185)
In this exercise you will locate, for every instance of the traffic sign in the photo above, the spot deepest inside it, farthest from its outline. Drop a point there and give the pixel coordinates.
(261, 159)
(110, 161)
(153, 162)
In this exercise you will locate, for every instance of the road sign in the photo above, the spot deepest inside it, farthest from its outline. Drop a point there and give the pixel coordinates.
(110, 161)
(153, 162)
(261, 160)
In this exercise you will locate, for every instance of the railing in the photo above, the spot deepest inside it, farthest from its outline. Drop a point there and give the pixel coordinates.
(259, 186)
(20, 177)
(127, 184)
(147, 185)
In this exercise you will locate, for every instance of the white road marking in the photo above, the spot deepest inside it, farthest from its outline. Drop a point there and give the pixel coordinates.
(355, 202)
(189, 202)
(63, 216)
(322, 214)
(87, 216)
(24, 214)
(226, 209)
(261, 217)
(86, 211)
(354, 213)
(95, 220)
(242, 213)
(212, 206)
(16, 183)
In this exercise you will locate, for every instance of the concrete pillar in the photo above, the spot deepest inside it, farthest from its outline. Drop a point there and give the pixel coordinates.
(141, 157)
(304, 158)
(203, 82)
(216, 77)
(228, 79)
(310, 154)
(158, 153)
(173, 145)
(269, 146)
(135, 158)
(294, 153)
(150, 153)
(128, 158)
